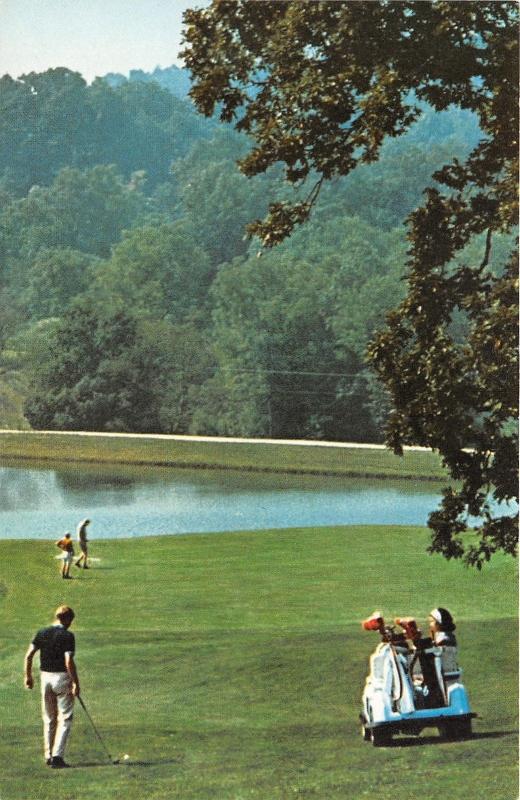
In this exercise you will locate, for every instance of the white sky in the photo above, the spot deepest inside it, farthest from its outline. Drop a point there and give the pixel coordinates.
(92, 37)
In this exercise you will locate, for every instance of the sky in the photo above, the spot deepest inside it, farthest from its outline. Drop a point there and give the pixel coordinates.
(92, 37)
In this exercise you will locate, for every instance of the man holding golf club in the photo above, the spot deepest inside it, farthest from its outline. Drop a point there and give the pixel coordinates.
(59, 683)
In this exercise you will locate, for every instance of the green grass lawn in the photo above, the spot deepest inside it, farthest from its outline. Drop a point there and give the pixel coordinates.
(269, 457)
(231, 666)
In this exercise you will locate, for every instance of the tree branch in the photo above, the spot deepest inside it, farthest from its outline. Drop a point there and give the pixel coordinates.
(487, 252)
(314, 193)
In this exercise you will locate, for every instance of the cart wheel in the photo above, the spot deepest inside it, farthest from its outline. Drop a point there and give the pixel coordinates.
(380, 737)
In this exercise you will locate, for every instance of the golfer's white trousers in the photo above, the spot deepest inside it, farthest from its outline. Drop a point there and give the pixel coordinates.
(57, 711)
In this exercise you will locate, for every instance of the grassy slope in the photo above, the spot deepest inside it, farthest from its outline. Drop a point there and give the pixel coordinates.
(241, 455)
(231, 666)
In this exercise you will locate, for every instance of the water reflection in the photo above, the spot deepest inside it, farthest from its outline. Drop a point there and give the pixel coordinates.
(21, 489)
(40, 500)
(95, 488)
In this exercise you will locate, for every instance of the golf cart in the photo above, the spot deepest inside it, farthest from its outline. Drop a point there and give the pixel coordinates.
(412, 685)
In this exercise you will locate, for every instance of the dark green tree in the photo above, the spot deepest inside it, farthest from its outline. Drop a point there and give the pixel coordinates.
(54, 279)
(157, 271)
(158, 128)
(95, 371)
(83, 210)
(45, 121)
(185, 361)
(320, 86)
(216, 198)
(281, 369)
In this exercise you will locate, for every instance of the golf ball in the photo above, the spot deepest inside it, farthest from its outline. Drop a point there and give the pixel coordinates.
(126, 756)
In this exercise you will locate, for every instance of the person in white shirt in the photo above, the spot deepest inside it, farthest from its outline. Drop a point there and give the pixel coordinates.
(82, 542)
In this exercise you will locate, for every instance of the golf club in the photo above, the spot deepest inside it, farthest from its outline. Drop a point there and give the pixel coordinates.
(112, 760)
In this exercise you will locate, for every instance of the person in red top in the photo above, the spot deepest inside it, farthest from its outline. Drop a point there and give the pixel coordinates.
(66, 544)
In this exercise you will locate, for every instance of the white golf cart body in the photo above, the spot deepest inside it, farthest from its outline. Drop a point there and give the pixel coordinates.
(395, 698)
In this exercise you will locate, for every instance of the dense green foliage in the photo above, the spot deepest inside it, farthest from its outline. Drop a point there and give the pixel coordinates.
(255, 662)
(53, 120)
(320, 87)
(93, 371)
(232, 344)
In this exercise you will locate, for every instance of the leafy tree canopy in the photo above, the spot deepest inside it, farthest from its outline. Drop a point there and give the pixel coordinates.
(217, 199)
(84, 210)
(157, 271)
(289, 355)
(55, 278)
(320, 86)
(93, 371)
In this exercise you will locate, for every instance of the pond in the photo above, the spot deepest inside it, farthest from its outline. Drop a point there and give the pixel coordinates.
(42, 500)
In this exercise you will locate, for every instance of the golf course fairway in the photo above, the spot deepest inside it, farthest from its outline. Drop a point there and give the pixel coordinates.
(231, 666)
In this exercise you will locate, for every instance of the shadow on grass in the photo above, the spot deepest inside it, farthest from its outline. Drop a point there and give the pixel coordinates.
(129, 763)
(494, 734)
(420, 741)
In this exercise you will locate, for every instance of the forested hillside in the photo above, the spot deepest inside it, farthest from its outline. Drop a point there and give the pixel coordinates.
(131, 298)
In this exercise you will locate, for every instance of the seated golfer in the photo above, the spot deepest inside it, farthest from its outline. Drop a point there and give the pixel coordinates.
(442, 627)
(59, 683)
(65, 544)
(441, 631)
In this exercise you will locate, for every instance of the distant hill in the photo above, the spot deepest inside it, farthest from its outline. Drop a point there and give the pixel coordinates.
(175, 79)
(53, 120)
